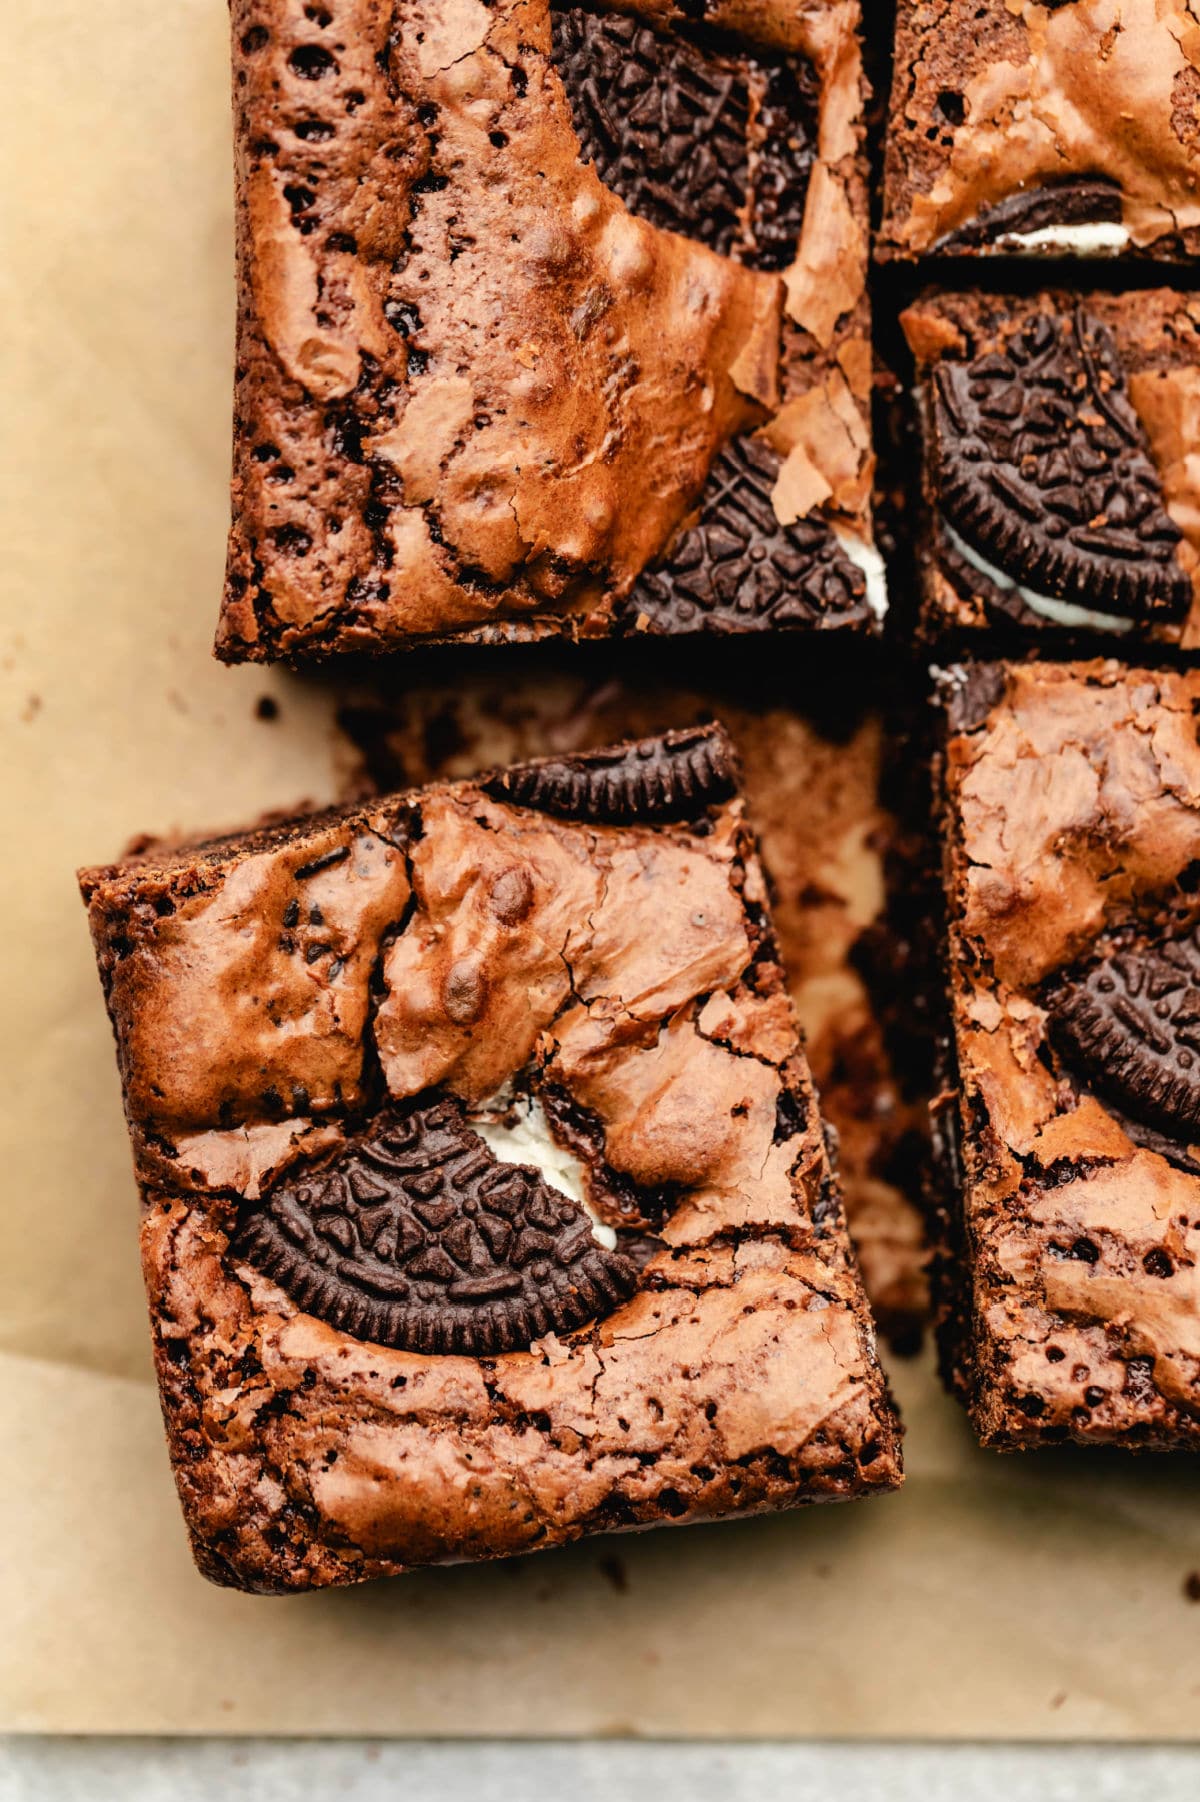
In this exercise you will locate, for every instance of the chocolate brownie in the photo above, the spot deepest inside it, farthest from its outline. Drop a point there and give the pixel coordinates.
(1043, 130)
(1060, 480)
(814, 746)
(552, 321)
(486, 1202)
(1070, 1121)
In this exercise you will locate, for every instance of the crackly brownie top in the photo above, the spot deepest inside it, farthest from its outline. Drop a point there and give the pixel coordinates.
(370, 1045)
(513, 276)
(1073, 844)
(1057, 432)
(811, 758)
(1031, 128)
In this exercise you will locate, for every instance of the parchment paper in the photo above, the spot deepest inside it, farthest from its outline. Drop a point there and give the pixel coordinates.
(1039, 1597)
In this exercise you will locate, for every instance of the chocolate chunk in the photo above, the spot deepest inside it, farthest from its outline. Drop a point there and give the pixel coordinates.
(418, 1237)
(693, 132)
(675, 777)
(1089, 200)
(1129, 1020)
(737, 569)
(1043, 467)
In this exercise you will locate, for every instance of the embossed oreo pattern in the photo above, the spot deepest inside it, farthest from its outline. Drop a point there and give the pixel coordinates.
(737, 569)
(673, 777)
(1130, 1021)
(416, 1236)
(1042, 466)
(693, 132)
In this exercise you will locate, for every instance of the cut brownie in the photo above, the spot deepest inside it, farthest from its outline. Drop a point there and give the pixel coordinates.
(1070, 1123)
(552, 322)
(815, 747)
(1061, 485)
(1057, 130)
(486, 1200)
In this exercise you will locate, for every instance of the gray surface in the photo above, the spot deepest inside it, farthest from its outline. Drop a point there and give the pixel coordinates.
(37, 1770)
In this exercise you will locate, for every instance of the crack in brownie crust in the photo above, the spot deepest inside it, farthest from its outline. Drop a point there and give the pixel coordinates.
(477, 394)
(693, 133)
(387, 1332)
(1071, 834)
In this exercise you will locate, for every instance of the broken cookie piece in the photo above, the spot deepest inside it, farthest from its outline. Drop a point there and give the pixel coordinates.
(1069, 1124)
(486, 1201)
(547, 314)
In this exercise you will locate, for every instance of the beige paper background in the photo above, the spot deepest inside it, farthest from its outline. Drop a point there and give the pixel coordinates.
(1040, 1597)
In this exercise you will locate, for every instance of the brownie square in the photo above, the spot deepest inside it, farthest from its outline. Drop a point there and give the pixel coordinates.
(552, 321)
(1070, 1119)
(1061, 487)
(818, 747)
(486, 1201)
(1033, 131)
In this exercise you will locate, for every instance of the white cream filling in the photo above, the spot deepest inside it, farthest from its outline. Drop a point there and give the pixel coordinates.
(525, 1138)
(1063, 613)
(1101, 239)
(871, 564)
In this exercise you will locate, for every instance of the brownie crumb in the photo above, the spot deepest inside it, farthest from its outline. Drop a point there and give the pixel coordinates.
(613, 1570)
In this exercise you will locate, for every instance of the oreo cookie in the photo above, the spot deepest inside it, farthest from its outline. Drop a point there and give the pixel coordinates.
(738, 570)
(1043, 469)
(1083, 200)
(1129, 1021)
(675, 777)
(692, 131)
(416, 1236)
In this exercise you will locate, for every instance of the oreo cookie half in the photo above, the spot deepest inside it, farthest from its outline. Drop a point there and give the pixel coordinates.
(1044, 475)
(693, 131)
(738, 570)
(1059, 210)
(1129, 1021)
(416, 1236)
(674, 777)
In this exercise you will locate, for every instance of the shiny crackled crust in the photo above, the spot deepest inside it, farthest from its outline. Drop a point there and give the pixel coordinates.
(1156, 334)
(1019, 117)
(814, 769)
(476, 396)
(626, 972)
(1071, 824)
